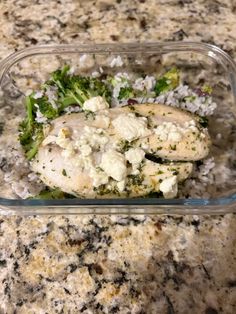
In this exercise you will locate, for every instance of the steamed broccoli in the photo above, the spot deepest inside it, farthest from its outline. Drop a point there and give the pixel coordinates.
(126, 93)
(46, 108)
(169, 81)
(30, 132)
(77, 89)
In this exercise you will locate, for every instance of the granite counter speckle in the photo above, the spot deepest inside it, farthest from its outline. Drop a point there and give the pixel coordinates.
(117, 264)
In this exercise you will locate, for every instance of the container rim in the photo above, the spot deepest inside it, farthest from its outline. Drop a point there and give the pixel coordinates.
(147, 47)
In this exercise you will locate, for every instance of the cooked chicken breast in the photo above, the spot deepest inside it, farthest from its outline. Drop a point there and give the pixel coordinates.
(102, 154)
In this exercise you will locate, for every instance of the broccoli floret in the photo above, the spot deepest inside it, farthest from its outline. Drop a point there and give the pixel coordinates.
(126, 90)
(30, 132)
(79, 89)
(26, 126)
(59, 78)
(36, 140)
(169, 81)
(126, 93)
(203, 121)
(76, 89)
(45, 107)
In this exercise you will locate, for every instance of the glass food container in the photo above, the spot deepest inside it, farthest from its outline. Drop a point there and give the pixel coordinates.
(198, 63)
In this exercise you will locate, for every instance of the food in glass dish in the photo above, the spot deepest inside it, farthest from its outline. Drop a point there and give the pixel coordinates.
(103, 136)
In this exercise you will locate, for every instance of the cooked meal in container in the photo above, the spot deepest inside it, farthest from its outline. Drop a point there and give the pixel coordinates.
(118, 136)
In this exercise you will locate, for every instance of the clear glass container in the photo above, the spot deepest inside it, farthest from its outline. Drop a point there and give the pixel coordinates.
(199, 63)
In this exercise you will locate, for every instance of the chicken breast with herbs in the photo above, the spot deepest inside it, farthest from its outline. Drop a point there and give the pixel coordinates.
(103, 152)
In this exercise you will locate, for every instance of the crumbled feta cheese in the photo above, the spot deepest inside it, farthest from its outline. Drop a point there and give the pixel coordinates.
(65, 142)
(135, 155)
(169, 131)
(95, 104)
(145, 146)
(116, 62)
(94, 137)
(121, 185)
(169, 187)
(191, 125)
(173, 131)
(86, 61)
(130, 127)
(114, 164)
(102, 120)
(98, 176)
(85, 150)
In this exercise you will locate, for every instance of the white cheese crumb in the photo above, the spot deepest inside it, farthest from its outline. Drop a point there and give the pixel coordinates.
(121, 185)
(169, 131)
(86, 61)
(114, 164)
(131, 127)
(174, 132)
(116, 62)
(95, 104)
(93, 137)
(102, 120)
(169, 187)
(85, 150)
(99, 177)
(63, 140)
(135, 155)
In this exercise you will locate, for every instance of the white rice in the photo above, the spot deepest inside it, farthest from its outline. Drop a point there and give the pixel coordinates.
(71, 109)
(39, 116)
(51, 93)
(147, 83)
(38, 94)
(203, 106)
(22, 181)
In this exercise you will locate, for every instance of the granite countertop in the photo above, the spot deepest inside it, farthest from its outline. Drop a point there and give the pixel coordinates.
(117, 264)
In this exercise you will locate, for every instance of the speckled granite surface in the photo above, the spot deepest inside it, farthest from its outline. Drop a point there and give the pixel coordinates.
(90, 264)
